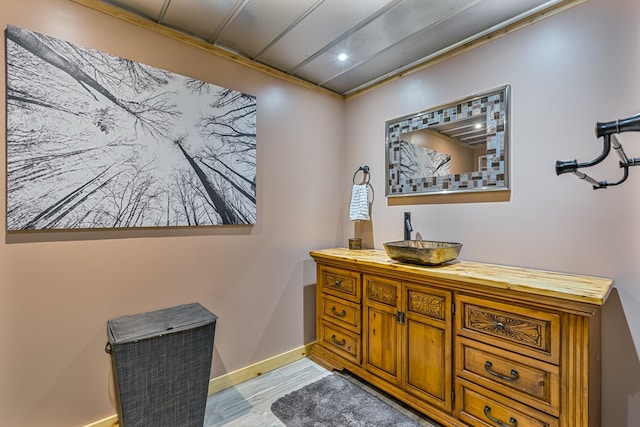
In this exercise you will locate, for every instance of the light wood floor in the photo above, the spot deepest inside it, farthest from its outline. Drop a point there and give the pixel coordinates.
(249, 404)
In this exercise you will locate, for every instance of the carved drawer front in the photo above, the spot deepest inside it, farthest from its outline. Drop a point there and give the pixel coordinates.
(481, 407)
(340, 341)
(383, 291)
(341, 312)
(427, 302)
(342, 283)
(527, 380)
(519, 328)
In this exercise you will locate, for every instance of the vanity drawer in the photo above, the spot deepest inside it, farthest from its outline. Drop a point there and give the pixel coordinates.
(341, 312)
(341, 341)
(529, 331)
(339, 282)
(481, 407)
(382, 291)
(527, 380)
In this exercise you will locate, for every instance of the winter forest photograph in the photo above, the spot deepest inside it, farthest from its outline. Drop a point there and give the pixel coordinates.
(95, 141)
(418, 162)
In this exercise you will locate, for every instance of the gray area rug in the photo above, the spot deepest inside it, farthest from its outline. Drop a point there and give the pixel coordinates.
(334, 401)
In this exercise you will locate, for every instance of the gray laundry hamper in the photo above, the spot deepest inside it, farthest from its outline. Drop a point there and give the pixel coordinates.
(161, 365)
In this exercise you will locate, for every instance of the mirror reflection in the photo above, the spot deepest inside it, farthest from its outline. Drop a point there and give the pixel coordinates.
(460, 146)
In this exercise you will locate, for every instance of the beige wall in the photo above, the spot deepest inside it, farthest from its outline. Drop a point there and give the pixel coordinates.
(57, 290)
(566, 73)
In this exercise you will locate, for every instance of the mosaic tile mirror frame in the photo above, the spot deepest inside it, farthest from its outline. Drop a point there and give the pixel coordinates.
(461, 146)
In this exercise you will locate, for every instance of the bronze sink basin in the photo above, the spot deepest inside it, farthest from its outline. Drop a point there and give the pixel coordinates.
(422, 252)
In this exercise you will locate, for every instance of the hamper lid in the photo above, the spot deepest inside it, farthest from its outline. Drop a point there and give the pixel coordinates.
(156, 323)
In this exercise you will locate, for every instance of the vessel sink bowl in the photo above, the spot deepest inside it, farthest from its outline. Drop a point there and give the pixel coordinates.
(422, 252)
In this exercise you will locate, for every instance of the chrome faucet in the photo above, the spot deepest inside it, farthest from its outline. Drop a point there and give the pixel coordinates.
(408, 228)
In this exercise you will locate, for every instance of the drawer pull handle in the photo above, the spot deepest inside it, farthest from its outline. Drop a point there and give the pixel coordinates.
(338, 284)
(335, 312)
(500, 326)
(336, 342)
(512, 421)
(514, 374)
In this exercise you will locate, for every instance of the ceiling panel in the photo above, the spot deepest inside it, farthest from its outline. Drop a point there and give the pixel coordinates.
(148, 8)
(432, 41)
(266, 19)
(387, 30)
(329, 20)
(302, 38)
(200, 17)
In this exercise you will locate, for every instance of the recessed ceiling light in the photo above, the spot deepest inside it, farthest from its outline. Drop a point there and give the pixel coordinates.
(478, 125)
(343, 57)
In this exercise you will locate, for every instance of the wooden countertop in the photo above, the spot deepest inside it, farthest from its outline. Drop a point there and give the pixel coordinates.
(570, 287)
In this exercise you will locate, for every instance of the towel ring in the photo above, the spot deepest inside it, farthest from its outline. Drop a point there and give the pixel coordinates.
(365, 171)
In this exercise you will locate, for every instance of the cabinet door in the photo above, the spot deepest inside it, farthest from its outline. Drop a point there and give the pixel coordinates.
(381, 328)
(428, 328)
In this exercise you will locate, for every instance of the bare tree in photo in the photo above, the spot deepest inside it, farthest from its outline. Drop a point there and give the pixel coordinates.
(91, 142)
(418, 162)
(232, 154)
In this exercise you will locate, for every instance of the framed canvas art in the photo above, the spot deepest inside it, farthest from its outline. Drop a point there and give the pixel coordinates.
(95, 141)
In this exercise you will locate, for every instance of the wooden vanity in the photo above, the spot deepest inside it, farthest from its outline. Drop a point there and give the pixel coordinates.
(465, 343)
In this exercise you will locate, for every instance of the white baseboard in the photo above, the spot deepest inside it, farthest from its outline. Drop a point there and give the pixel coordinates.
(236, 377)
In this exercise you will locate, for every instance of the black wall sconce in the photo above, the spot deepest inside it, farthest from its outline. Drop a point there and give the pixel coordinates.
(607, 131)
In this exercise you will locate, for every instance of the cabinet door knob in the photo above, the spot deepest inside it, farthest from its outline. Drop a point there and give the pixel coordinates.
(514, 374)
(512, 421)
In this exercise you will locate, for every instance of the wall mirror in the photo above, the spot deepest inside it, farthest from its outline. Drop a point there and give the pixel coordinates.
(461, 146)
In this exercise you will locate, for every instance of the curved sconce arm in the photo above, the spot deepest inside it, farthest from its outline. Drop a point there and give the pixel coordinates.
(607, 131)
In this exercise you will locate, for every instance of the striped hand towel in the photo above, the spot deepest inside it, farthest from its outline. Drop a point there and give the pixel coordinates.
(359, 209)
